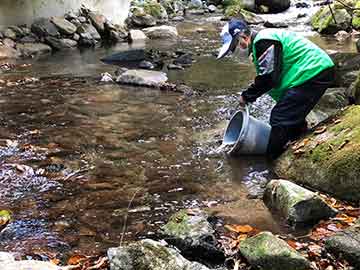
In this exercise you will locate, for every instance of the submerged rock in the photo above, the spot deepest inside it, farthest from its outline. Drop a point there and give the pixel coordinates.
(329, 158)
(126, 56)
(34, 49)
(266, 251)
(296, 204)
(150, 255)
(346, 244)
(193, 235)
(143, 77)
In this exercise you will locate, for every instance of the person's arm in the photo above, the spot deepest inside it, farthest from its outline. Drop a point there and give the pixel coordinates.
(269, 53)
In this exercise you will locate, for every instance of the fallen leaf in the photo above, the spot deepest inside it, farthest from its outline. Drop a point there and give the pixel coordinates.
(76, 259)
(343, 144)
(354, 212)
(301, 144)
(5, 217)
(55, 261)
(239, 228)
(320, 130)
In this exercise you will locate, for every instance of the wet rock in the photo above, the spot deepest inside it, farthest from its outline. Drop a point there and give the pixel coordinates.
(143, 78)
(346, 244)
(64, 26)
(342, 35)
(173, 7)
(274, 6)
(161, 32)
(196, 12)
(6, 257)
(323, 22)
(76, 37)
(33, 49)
(193, 235)
(9, 33)
(31, 38)
(176, 67)
(82, 19)
(238, 12)
(195, 4)
(9, 42)
(98, 21)
(275, 25)
(137, 35)
(120, 71)
(43, 27)
(184, 60)
(329, 160)
(178, 19)
(266, 251)
(30, 265)
(302, 5)
(330, 103)
(116, 33)
(358, 45)
(76, 22)
(8, 52)
(20, 31)
(296, 204)
(126, 56)
(150, 255)
(60, 44)
(70, 16)
(347, 65)
(146, 65)
(87, 40)
(86, 30)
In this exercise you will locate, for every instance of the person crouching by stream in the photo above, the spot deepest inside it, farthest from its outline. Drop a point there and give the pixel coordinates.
(291, 69)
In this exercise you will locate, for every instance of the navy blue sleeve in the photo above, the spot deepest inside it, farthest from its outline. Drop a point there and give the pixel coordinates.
(269, 54)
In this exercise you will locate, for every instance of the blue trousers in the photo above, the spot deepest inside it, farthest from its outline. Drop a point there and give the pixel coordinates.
(287, 118)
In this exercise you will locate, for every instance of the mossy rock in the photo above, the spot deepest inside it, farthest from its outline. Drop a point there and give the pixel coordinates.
(328, 160)
(356, 16)
(324, 23)
(237, 11)
(266, 251)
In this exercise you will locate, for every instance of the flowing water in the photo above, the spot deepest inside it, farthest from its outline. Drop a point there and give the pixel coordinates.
(75, 152)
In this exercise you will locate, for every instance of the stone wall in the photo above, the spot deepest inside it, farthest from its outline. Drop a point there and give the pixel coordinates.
(15, 12)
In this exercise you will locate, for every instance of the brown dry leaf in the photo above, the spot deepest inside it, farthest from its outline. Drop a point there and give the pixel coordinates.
(35, 131)
(333, 227)
(299, 151)
(301, 144)
(345, 218)
(55, 261)
(5, 217)
(320, 130)
(354, 212)
(76, 259)
(295, 245)
(239, 228)
(320, 233)
(242, 237)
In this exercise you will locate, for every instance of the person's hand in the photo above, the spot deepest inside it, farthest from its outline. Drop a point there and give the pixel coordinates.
(242, 101)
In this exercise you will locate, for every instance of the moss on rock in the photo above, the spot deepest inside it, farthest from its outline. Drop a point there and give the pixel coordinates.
(329, 161)
(356, 16)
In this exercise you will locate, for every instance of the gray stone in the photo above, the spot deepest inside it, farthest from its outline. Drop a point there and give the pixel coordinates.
(195, 4)
(70, 16)
(324, 23)
(184, 60)
(275, 25)
(295, 203)
(143, 78)
(150, 255)
(87, 29)
(98, 21)
(146, 65)
(87, 40)
(6, 257)
(9, 33)
(76, 37)
(330, 103)
(346, 244)
(134, 55)
(137, 35)
(266, 251)
(33, 49)
(161, 32)
(212, 8)
(116, 32)
(178, 19)
(31, 38)
(9, 42)
(76, 22)
(274, 6)
(143, 20)
(29, 265)
(43, 27)
(176, 67)
(198, 11)
(64, 26)
(60, 44)
(8, 53)
(82, 19)
(20, 31)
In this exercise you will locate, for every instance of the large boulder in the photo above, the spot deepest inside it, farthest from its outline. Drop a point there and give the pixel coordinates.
(150, 255)
(266, 251)
(329, 158)
(173, 7)
(137, 35)
(324, 22)
(296, 204)
(34, 49)
(346, 244)
(142, 77)
(161, 32)
(8, 53)
(87, 29)
(193, 235)
(238, 11)
(347, 67)
(272, 6)
(64, 26)
(43, 27)
(140, 18)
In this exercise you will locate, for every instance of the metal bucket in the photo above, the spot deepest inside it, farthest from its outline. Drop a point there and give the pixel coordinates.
(246, 135)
